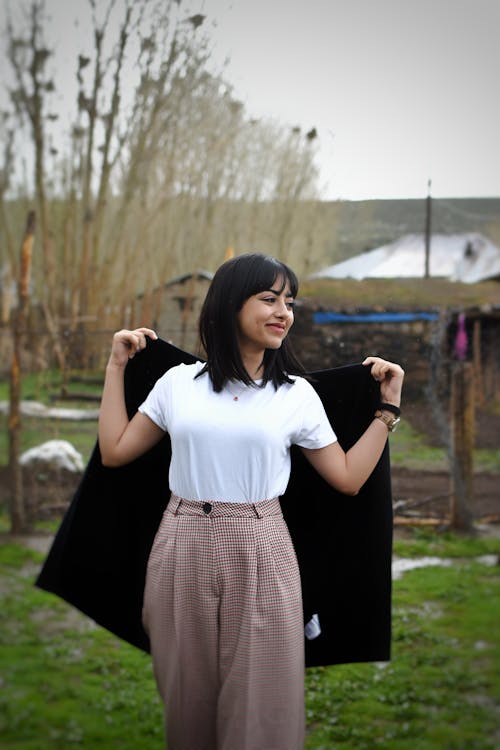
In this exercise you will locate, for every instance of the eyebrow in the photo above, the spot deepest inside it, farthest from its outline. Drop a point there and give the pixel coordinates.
(277, 292)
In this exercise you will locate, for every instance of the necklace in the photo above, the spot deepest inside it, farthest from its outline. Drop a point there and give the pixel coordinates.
(236, 396)
(242, 388)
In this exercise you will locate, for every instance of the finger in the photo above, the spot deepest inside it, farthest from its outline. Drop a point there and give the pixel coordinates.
(134, 341)
(376, 366)
(130, 340)
(142, 334)
(140, 341)
(148, 332)
(381, 366)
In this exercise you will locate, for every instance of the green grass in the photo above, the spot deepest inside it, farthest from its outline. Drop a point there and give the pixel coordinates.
(419, 542)
(44, 386)
(411, 450)
(66, 684)
(39, 387)
(82, 435)
(442, 689)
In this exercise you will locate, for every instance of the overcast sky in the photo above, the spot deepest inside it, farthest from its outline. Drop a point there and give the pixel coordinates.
(400, 91)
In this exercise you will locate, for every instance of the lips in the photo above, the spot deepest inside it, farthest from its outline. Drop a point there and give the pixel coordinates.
(276, 327)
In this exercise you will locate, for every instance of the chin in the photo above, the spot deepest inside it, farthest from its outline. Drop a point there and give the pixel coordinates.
(274, 345)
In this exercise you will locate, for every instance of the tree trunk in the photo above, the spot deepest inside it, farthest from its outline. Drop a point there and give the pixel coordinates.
(18, 518)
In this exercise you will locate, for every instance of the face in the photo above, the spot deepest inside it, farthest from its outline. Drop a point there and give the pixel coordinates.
(265, 318)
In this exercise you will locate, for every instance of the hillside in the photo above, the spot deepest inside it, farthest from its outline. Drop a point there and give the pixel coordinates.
(363, 225)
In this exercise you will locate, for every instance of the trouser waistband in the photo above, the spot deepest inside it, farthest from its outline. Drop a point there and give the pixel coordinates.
(179, 506)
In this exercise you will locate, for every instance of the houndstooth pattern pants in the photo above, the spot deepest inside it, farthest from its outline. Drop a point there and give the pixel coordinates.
(223, 610)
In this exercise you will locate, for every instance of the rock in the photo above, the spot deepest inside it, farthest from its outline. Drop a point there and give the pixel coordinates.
(53, 455)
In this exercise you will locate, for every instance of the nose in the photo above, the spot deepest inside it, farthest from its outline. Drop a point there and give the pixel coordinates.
(282, 310)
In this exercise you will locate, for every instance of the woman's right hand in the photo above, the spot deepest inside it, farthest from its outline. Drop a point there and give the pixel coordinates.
(126, 344)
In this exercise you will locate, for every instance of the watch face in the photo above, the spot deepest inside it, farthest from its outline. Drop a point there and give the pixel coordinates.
(394, 426)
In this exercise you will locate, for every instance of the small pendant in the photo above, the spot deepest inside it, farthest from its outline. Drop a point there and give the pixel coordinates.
(235, 398)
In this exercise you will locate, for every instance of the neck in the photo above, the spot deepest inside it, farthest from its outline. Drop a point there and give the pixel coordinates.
(252, 362)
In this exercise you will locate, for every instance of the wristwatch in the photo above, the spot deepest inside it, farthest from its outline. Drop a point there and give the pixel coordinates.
(390, 421)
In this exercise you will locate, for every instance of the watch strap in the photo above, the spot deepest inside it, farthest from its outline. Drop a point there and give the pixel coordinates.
(390, 407)
(390, 422)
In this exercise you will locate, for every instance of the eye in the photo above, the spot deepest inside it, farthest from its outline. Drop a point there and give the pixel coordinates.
(290, 305)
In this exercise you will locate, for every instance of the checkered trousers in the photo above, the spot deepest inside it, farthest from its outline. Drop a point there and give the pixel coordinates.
(223, 610)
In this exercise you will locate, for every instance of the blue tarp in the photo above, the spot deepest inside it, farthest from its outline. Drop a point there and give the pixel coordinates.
(386, 317)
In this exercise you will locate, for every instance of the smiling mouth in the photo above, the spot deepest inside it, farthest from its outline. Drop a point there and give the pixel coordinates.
(277, 327)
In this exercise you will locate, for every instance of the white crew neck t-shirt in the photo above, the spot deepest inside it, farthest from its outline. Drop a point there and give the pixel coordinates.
(234, 450)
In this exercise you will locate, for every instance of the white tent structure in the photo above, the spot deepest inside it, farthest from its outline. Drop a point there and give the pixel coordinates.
(458, 257)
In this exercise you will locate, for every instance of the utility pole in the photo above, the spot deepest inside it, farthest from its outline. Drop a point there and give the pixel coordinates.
(428, 231)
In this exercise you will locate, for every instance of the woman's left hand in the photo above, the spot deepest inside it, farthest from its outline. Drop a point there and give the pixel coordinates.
(390, 376)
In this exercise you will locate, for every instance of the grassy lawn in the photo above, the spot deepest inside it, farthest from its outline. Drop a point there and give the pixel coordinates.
(411, 450)
(68, 684)
(82, 435)
(65, 683)
(39, 387)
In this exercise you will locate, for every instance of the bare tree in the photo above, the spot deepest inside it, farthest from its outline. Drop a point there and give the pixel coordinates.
(8, 260)
(16, 507)
(155, 182)
(28, 56)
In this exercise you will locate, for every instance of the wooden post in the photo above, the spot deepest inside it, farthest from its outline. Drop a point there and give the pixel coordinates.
(462, 445)
(478, 363)
(18, 519)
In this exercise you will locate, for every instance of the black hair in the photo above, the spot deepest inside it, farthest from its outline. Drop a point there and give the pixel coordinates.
(234, 282)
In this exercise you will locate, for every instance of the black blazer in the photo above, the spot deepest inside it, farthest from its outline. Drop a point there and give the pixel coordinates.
(98, 559)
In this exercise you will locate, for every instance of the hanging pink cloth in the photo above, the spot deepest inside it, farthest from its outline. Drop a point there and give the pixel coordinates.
(461, 339)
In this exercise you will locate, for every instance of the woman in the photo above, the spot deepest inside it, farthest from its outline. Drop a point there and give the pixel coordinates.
(222, 603)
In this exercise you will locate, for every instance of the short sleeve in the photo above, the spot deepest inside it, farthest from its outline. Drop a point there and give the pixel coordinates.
(316, 430)
(157, 404)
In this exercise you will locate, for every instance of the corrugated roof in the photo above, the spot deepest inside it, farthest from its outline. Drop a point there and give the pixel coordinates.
(458, 257)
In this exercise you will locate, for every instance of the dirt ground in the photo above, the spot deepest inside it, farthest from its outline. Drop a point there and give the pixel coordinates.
(428, 492)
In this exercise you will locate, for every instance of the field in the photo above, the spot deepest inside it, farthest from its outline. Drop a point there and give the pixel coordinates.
(66, 683)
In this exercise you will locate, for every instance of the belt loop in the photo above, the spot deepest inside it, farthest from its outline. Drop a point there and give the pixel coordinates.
(176, 502)
(257, 512)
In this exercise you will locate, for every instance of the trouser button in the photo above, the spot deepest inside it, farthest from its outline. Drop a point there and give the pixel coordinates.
(207, 507)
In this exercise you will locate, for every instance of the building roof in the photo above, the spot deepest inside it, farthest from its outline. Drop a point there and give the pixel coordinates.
(457, 257)
(199, 274)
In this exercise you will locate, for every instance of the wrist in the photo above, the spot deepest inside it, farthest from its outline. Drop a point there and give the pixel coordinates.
(390, 419)
(390, 407)
(114, 366)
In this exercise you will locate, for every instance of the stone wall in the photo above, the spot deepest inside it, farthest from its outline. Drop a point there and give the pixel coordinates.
(412, 344)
